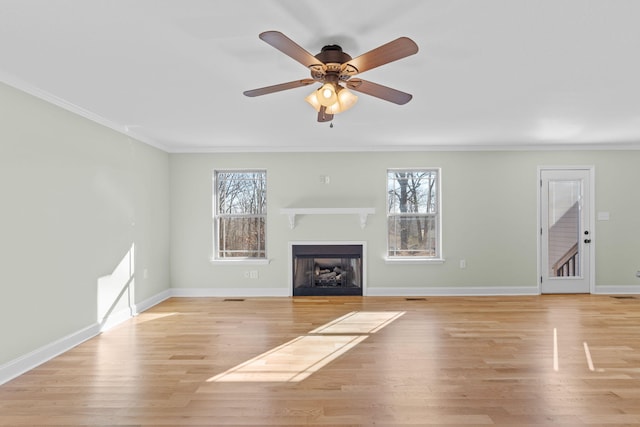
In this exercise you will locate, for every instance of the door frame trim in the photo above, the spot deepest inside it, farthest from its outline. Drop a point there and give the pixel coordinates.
(592, 223)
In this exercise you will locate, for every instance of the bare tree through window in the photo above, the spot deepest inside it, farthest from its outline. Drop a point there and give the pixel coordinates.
(240, 213)
(412, 213)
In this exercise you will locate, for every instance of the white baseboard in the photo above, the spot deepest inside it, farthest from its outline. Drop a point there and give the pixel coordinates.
(369, 291)
(617, 290)
(22, 364)
(487, 291)
(154, 300)
(453, 291)
(125, 314)
(25, 363)
(115, 319)
(230, 292)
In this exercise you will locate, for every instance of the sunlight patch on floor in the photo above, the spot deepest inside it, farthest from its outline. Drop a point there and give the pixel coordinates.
(296, 360)
(293, 361)
(147, 317)
(359, 322)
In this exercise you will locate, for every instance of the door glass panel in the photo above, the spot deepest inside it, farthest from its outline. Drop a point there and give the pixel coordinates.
(564, 228)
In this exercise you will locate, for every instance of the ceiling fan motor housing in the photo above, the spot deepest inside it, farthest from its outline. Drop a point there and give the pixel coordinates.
(333, 54)
(333, 59)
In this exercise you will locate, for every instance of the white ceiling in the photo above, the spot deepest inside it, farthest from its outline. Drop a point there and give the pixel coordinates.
(489, 73)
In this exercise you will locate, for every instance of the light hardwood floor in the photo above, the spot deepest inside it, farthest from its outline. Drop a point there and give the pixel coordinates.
(510, 361)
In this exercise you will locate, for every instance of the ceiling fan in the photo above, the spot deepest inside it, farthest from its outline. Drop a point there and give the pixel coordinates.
(334, 69)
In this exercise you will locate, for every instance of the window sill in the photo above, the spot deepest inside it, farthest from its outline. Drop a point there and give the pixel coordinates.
(241, 261)
(389, 260)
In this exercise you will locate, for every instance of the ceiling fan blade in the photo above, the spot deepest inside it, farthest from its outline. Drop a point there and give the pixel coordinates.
(323, 116)
(287, 46)
(392, 51)
(379, 91)
(277, 88)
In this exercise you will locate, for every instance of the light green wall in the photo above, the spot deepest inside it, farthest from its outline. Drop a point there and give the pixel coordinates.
(489, 203)
(75, 197)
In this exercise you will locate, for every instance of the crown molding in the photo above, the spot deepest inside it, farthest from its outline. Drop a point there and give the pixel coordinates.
(43, 95)
(408, 148)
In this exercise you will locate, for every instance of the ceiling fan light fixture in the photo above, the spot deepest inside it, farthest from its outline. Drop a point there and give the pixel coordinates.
(327, 95)
(332, 66)
(345, 99)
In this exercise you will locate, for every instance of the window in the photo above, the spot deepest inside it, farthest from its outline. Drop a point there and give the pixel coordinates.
(413, 219)
(240, 214)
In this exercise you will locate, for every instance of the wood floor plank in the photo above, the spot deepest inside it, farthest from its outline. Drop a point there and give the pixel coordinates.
(436, 361)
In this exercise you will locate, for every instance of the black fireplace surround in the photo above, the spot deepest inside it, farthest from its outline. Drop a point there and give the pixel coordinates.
(322, 270)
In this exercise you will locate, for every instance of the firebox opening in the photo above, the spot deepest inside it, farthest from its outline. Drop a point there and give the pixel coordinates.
(327, 270)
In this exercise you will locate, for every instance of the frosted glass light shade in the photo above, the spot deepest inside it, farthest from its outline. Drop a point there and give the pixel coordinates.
(345, 99)
(312, 99)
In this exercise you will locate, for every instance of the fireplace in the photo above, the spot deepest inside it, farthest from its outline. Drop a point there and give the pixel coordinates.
(327, 269)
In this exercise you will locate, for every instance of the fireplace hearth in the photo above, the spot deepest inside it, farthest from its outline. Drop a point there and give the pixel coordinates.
(327, 269)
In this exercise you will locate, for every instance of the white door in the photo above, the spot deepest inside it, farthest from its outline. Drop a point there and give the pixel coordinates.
(565, 231)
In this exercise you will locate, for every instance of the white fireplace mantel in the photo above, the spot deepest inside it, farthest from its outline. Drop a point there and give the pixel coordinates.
(361, 212)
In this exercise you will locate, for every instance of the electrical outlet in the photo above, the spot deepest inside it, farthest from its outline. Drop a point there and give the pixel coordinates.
(253, 274)
(247, 274)
(463, 263)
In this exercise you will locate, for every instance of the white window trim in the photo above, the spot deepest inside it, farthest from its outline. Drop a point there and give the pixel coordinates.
(417, 260)
(237, 260)
(439, 257)
(241, 261)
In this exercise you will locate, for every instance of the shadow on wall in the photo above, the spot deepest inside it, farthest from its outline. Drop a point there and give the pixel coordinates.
(116, 292)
